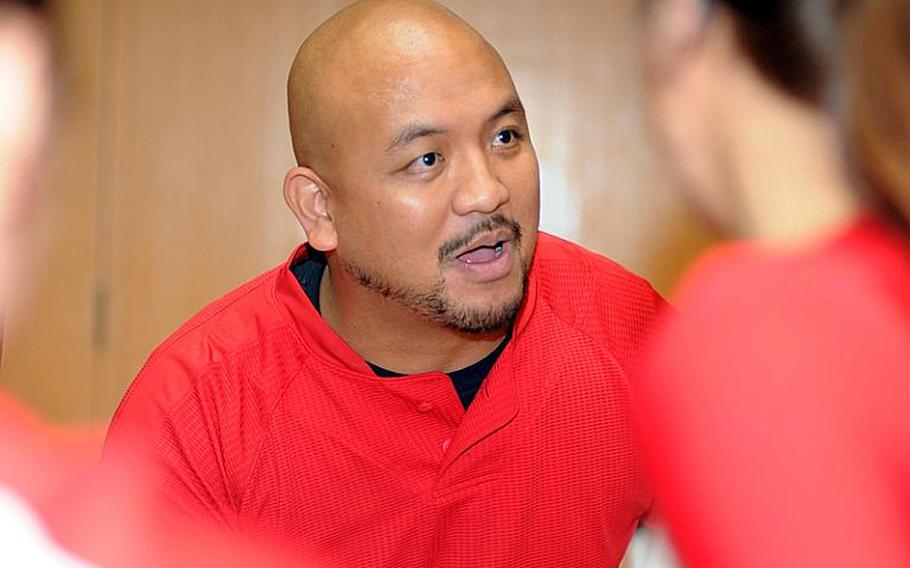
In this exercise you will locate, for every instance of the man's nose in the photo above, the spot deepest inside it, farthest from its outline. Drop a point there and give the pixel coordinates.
(480, 189)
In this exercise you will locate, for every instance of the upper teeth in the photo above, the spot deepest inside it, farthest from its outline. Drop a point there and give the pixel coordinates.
(497, 250)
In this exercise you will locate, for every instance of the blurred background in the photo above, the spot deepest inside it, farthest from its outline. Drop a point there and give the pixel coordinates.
(163, 184)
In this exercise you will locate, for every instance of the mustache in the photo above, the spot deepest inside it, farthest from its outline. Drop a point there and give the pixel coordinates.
(449, 248)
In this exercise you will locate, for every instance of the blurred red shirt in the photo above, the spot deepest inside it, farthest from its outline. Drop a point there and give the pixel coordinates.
(59, 508)
(777, 405)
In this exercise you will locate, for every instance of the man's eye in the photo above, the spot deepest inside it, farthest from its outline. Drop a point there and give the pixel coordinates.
(426, 161)
(506, 137)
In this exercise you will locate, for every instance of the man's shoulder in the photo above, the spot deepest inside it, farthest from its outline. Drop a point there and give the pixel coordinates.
(573, 277)
(226, 325)
(597, 296)
(568, 264)
(235, 336)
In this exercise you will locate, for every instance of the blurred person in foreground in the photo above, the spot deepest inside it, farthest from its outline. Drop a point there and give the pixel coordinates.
(775, 404)
(56, 508)
(428, 381)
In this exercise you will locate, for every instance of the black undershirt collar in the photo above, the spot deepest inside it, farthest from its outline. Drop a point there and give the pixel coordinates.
(467, 381)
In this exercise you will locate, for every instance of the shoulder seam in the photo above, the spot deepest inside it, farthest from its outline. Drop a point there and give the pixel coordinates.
(591, 274)
(254, 463)
(161, 349)
(573, 325)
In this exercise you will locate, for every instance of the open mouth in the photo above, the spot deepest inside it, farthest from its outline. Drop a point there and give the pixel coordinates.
(487, 258)
(483, 253)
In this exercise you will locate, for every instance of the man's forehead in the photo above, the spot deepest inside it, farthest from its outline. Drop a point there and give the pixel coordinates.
(444, 102)
(440, 78)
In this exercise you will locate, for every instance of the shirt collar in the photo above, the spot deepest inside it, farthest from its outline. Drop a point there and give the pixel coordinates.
(324, 342)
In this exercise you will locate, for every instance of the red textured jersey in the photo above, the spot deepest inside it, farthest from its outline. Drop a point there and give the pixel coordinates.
(261, 418)
(776, 406)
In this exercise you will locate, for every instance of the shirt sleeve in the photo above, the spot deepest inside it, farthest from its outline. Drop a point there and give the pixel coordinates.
(180, 425)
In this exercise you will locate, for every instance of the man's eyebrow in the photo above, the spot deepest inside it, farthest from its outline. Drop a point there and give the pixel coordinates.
(412, 132)
(511, 106)
(416, 130)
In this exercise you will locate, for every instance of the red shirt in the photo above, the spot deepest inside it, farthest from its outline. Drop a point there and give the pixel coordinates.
(259, 416)
(777, 406)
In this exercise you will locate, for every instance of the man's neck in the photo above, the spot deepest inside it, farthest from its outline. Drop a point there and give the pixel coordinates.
(393, 337)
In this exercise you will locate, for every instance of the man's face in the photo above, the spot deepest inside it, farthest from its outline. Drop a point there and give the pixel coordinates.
(435, 188)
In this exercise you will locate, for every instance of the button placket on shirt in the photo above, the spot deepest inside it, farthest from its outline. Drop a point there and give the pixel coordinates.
(427, 407)
(436, 403)
(493, 410)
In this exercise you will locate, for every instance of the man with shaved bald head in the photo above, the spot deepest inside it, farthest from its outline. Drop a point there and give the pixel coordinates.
(428, 381)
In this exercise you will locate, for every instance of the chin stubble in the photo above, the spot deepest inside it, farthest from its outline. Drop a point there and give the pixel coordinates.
(433, 303)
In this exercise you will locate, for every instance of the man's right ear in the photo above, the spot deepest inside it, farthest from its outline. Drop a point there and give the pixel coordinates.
(307, 196)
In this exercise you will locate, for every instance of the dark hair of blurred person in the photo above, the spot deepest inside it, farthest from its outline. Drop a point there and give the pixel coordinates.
(775, 403)
(56, 508)
(877, 106)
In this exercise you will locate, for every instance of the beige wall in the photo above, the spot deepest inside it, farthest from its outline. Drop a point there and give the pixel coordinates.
(164, 186)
